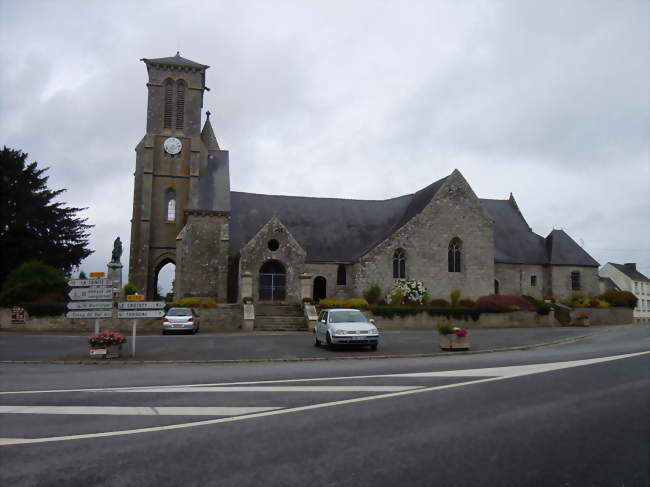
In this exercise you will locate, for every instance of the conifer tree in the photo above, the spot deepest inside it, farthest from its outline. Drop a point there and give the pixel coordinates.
(32, 225)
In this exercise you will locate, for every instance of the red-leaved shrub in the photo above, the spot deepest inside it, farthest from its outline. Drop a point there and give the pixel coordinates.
(438, 302)
(503, 302)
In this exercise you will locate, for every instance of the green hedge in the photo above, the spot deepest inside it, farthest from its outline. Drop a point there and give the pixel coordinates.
(446, 311)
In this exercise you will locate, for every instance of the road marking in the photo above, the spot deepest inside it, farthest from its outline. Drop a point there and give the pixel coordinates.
(277, 389)
(515, 371)
(135, 410)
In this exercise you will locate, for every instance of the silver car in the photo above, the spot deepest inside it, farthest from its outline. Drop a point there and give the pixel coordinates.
(180, 319)
(345, 327)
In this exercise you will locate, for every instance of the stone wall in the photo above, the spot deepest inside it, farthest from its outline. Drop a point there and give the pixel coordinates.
(329, 272)
(561, 281)
(606, 316)
(454, 211)
(223, 318)
(516, 279)
(202, 257)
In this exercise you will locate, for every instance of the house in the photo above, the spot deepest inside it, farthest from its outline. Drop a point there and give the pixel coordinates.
(627, 278)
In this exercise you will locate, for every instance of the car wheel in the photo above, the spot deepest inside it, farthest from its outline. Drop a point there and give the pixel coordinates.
(164, 332)
(316, 341)
(330, 345)
(374, 346)
(194, 330)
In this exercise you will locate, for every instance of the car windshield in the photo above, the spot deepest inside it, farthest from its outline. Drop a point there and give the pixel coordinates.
(179, 312)
(347, 317)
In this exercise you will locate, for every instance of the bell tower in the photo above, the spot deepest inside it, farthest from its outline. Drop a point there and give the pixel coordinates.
(168, 161)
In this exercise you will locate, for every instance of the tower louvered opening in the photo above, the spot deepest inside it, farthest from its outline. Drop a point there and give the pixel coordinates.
(180, 104)
(168, 104)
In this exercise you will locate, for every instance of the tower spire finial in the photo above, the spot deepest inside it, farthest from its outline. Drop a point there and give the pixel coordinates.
(207, 114)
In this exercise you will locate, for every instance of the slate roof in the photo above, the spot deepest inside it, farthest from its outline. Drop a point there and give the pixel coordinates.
(176, 60)
(563, 250)
(343, 230)
(608, 285)
(630, 272)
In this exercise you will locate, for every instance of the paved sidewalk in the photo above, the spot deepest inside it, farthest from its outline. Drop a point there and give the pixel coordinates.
(256, 346)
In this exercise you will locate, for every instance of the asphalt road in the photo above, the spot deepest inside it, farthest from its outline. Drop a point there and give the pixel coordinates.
(565, 415)
(270, 345)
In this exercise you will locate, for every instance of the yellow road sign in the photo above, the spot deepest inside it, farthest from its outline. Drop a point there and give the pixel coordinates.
(135, 297)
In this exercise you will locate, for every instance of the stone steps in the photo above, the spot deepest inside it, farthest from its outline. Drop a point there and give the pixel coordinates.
(279, 317)
(278, 310)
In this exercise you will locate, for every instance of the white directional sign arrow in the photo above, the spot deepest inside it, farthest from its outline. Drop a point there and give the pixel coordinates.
(89, 282)
(89, 314)
(141, 305)
(154, 313)
(79, 294)
(91, 305)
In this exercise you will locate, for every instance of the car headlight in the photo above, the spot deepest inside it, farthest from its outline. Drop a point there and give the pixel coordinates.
(339, 332)
(374, 331)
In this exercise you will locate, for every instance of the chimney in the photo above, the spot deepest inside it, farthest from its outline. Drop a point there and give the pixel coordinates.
(630, 265)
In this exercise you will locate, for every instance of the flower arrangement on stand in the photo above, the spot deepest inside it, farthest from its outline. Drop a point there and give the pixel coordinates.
(582, 319)
(106, 344)
(453, 337)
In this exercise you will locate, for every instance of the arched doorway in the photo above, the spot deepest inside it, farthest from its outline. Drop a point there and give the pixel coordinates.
(273, 281)
(164, 279)
(320, 288)
(496, 287)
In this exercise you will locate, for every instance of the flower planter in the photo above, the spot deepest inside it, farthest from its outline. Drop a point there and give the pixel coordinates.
(109, 351)
(453, 342)
(582, 322)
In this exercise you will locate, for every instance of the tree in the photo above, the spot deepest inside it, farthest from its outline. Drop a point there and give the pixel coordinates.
(32, 225)
(33, 281)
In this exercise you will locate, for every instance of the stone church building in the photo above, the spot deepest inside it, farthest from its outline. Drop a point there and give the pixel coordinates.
(229, 245)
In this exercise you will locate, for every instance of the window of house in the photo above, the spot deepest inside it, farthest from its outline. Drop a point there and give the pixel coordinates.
(399, 264)
(575, 281)
(636, 287)
(170, 204)
(453, 255)
(341, 277)
(533, 280)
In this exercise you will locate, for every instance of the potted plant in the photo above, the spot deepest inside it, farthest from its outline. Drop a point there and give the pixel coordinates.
(106, 344)
(453, 337)
(582, 319)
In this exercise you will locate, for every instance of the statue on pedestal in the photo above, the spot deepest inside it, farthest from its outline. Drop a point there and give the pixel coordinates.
(117, 250)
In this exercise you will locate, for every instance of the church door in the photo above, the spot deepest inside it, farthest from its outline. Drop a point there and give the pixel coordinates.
(273, 281)
(320, 288)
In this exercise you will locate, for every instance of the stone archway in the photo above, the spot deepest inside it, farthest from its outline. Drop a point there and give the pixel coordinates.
(320, 288)
(272, 281)
(156, 278)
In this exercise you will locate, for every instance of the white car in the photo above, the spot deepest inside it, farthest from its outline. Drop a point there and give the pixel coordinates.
(345, 327)
(180, 319)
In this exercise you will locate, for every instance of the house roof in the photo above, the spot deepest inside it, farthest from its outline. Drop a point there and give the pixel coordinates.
(630, 272)
(563, 250)
(608, 285)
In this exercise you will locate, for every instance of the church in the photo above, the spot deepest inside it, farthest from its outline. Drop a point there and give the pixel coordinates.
(230, 245)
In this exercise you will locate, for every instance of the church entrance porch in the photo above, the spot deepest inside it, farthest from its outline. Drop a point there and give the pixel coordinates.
(273, 281)
(320, 288)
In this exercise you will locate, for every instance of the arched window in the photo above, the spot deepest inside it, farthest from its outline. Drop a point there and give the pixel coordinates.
(180, 104)
(169, 93)
(170, 205)
(399, 264)
(453, 254)
(341, 277)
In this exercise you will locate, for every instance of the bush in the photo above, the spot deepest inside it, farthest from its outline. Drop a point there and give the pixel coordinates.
(542, 307)
(501, 303)
(129, 288)
(407, 290)
(247, 299)
(455, 296)
(467, 303)
(356, 303)
(438, 302)
(46, 309)
(389, 311)
(194, 303)
(372, 294)
(577, 300)
(445, 328)
(304, 300)
(33, 282)
(620, 299)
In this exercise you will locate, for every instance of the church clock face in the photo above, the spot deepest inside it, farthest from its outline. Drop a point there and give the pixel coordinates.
(172, 145)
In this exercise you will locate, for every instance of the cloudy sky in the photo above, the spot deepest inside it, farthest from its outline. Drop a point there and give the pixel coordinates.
(548, 100)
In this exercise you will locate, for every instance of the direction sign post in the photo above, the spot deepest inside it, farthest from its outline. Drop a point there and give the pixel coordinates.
(135, 307)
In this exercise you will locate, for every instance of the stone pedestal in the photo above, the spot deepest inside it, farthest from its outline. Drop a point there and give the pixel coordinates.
(453, 342)
(305, 286)
(246, 284)
(249, 317)
(114, 274)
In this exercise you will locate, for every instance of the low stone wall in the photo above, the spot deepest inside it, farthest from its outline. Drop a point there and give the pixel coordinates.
(228, 317)
(424, 321)
(607, 316)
